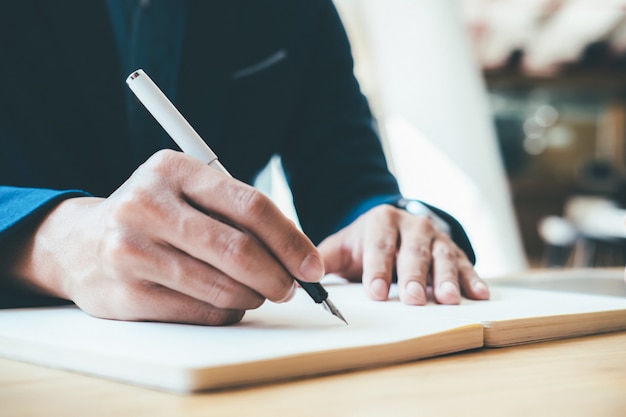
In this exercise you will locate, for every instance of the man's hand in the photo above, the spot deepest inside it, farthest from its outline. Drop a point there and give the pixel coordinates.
(387, 241)
(163, 247)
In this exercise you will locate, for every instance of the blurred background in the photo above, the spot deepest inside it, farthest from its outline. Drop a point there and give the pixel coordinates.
(555, 73)
(509, 114)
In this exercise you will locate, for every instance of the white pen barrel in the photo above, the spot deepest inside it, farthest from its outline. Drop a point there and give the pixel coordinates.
(169, 117)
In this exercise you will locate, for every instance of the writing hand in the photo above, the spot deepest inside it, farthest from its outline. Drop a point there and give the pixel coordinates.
(387, 241)
(163, 247)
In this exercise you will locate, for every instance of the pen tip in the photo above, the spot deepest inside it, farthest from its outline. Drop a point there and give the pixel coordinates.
(330, 307)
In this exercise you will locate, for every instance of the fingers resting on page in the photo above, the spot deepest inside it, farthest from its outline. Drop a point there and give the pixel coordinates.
(388, 243)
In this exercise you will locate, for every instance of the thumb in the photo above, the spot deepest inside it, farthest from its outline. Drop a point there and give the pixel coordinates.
(340, 257)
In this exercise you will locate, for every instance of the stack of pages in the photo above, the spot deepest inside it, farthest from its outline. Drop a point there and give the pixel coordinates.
(298, 339)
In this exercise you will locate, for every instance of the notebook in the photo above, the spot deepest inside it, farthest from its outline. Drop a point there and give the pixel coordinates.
(298, 339)
(273, 343)
(515, 315)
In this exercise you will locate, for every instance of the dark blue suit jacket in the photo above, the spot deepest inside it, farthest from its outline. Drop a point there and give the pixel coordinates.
(256, 78)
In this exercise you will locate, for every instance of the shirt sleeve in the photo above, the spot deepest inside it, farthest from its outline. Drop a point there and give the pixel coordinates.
(19, 207)
(334, 161)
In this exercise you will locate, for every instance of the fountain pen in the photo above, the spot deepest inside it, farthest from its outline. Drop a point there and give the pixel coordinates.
(168, 116)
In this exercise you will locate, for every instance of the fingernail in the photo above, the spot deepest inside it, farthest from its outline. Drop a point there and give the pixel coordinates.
(416, 291)
(312, 268)
(378, 289)
(481, 288)
(291, 294)
(449, 288)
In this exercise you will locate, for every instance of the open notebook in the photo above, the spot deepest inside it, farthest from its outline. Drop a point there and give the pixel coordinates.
(297, 339)
(274, 342)
(520, 315)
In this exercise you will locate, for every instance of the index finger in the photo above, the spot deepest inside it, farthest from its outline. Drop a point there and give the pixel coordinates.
(254, 212)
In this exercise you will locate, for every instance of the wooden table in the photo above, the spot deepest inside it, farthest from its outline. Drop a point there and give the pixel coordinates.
(575, 377)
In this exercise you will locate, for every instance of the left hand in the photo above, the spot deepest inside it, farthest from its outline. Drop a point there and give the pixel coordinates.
(388, 240)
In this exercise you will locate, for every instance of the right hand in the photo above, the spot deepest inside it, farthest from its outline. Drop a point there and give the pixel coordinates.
(163, 248)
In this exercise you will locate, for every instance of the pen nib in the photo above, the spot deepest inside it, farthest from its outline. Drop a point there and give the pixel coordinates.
(330, 307)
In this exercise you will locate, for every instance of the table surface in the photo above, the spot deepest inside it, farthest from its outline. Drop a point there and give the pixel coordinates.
(574, 377)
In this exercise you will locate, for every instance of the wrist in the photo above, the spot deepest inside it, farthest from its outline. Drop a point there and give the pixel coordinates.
(38, 254)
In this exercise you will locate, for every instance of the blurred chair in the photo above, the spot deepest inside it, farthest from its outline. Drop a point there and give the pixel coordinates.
(559, 237)
(591, 233)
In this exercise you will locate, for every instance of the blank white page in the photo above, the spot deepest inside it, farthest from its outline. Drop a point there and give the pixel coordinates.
(180, 357)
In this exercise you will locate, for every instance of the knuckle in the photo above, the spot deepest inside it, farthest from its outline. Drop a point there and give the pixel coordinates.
(386, 244)
(292, 244)
(418, 250)
(236, 248)
(118, 247)
(252, 202)
(186, 224)
(385, 210)
(222, 295)
(442, 251)
(140, 202)
(175, 272)
(422, 252)
(166, 166)
(164, 160)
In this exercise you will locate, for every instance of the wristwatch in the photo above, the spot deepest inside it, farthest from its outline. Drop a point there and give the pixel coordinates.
(418, 208)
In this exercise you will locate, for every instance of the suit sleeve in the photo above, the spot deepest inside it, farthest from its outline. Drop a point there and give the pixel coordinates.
(334, 162)
(335, 166)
